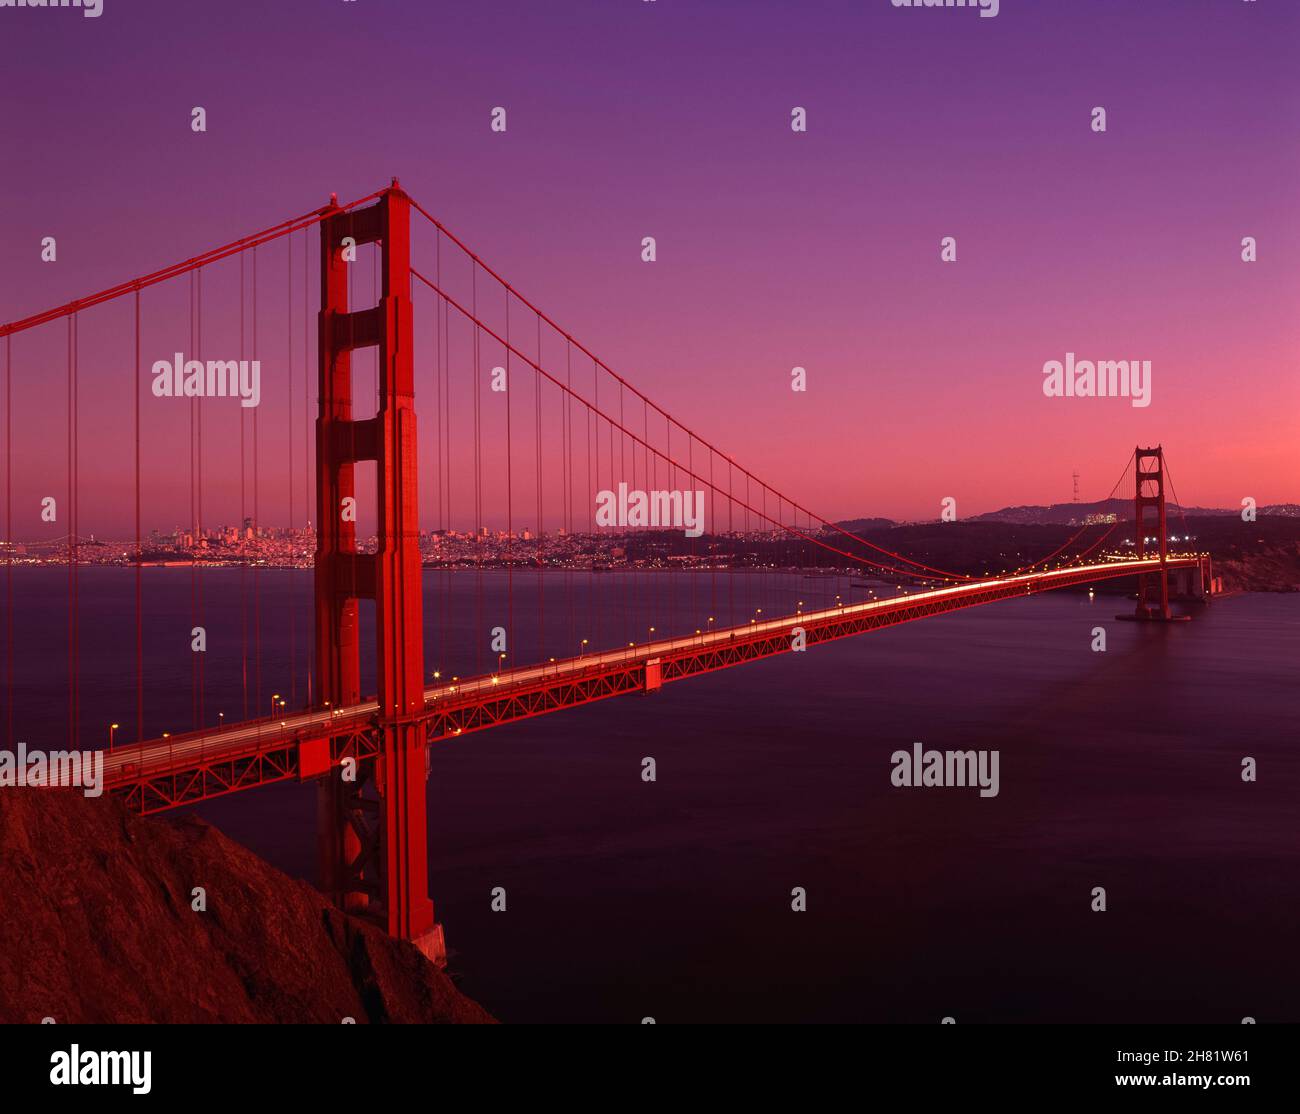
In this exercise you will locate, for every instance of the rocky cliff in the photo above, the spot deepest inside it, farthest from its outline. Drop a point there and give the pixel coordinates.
(97, 925)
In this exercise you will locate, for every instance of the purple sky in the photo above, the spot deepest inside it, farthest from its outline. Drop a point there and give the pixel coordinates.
(670, 119)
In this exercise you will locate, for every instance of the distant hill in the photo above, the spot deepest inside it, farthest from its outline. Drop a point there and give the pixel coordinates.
(1066, 514)
(864, 525)
(1063, 514)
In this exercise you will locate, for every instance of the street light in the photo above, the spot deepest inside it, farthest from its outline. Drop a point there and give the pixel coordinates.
(274, 698)
(111, 728)
(582, 649)
(221, 720)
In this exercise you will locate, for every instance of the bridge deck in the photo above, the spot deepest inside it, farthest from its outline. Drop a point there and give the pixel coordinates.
(165, 773)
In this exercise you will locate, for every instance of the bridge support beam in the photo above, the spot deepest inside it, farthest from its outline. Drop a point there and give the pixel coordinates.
(373, 830)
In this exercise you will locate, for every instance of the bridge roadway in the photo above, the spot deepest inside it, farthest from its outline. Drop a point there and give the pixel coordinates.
(165, 773)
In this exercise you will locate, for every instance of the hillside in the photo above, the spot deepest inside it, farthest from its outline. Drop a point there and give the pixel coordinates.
(96, 925)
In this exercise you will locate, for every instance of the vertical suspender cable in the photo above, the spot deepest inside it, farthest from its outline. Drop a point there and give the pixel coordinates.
(198, 492)
(310, 655)
(257, 526)
(510, 483)
(72, 545)
(243, 506)
(568, 496)
(593, 445)
(446, 377)
(293, 611)
(438, 603)
(8, 533)
(478, 481)
(193, 532)
(541, 526)
(139, 582)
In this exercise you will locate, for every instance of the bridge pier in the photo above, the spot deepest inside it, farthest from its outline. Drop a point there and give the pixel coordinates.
(1194, 585)
(373, 829)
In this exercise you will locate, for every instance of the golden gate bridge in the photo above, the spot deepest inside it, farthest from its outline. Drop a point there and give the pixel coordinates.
(369, 754)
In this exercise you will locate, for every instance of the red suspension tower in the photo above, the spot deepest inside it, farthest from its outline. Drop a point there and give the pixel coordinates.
(373, 845)
(1149, 469)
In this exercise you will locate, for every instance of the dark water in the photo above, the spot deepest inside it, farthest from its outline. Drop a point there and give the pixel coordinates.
(672, 900)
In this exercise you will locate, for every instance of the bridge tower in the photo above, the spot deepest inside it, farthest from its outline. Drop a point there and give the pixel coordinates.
(372, 831)
(1149, 468)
